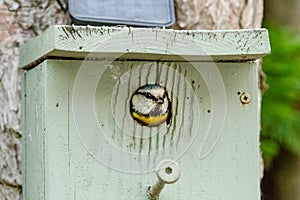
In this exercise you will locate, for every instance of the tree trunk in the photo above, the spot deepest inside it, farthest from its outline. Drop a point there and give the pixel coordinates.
(284, 13)
(23, 19)
(218, 14)
(19, 21)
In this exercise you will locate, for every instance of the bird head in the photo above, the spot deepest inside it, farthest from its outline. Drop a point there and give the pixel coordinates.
(151, 101)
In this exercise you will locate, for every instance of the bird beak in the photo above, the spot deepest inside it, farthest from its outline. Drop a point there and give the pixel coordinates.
(160, 100)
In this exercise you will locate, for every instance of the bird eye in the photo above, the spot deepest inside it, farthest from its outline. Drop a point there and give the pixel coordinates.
(148, 95)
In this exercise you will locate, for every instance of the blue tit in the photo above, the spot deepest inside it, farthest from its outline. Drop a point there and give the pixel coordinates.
(150, 105)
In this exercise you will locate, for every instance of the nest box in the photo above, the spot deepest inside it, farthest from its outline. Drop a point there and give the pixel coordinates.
(135, 113)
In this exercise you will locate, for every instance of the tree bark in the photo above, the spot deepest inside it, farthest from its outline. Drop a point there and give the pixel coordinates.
(19, 21)
(284, 13)
(218, 14)
(23, 19)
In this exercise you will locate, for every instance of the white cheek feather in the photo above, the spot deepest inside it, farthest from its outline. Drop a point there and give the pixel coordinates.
(142, 104)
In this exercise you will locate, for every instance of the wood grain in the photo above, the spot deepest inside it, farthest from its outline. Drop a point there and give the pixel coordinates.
(70, 165)
(79, 42)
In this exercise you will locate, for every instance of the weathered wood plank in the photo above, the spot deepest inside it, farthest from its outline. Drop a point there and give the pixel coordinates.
(57, 134)
(80, 42)
(33, 149)
(68, 165)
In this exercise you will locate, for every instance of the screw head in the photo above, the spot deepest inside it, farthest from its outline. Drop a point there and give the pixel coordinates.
(245, 98)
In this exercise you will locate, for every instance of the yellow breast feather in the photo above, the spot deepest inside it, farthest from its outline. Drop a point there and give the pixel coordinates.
(150, 120)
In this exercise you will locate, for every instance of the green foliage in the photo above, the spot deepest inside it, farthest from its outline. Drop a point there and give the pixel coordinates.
(280, 104)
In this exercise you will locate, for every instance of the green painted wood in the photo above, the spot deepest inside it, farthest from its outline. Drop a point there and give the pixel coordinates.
(147, 44)
(58, 165)
(76, 112)
(33, 147)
